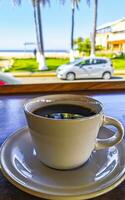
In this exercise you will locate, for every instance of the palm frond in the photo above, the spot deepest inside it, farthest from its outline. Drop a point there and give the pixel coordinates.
(75, 3)
(62, 1)
(88, 2)
(44, 2)
(16, 2)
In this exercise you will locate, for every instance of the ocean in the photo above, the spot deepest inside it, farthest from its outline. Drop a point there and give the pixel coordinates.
(28, 53)
(31, 51)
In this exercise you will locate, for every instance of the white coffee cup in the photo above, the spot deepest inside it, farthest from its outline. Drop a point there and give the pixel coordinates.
(68, 143)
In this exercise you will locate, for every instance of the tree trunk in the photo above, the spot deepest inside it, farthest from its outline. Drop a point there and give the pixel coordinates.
(72, 34)
(93, 39)
(36, 27)
(41, 57)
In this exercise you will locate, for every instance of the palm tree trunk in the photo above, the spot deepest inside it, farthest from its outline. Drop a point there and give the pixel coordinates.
(72, 34)
(72, 28)
(93, 39)
(35, 20)
(42, 64)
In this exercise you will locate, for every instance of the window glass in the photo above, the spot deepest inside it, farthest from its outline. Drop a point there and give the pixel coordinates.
(85, 62)
(99, 61)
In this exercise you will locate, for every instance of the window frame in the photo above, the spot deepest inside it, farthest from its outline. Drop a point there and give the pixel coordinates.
(63, 87)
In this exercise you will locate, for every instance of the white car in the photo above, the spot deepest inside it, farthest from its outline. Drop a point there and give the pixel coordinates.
(96, 67)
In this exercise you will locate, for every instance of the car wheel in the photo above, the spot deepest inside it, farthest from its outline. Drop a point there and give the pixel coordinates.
(106, 76)
(70, 76)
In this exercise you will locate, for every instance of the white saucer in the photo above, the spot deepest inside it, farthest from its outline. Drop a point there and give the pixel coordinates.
(103, 172)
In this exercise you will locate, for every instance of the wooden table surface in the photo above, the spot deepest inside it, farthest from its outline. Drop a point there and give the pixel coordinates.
(12, 118)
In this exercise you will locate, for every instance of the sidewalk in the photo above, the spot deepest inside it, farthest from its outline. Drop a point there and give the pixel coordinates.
(35, 74)
(119, 72)
(51, 73)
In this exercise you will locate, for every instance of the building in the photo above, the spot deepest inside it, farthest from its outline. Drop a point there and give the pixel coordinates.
(112, 36)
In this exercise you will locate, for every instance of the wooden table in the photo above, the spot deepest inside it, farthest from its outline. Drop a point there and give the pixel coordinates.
(12, 118)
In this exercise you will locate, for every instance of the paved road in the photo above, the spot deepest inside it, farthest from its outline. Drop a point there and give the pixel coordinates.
(30, 80)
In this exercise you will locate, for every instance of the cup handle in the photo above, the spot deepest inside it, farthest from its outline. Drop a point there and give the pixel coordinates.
(115, 139)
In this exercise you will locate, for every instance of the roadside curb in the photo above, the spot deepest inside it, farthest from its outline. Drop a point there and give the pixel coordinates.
(51, 74)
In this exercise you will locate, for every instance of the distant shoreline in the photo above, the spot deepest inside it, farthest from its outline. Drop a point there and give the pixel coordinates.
(8, 54)
(25, 53)
(29, 54)
(31, 50)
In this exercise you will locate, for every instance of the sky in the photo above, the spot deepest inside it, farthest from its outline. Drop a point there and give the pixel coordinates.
(17, 22)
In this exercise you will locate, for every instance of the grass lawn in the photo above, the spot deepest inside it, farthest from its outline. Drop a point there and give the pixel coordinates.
(30, 65)
(119, 63)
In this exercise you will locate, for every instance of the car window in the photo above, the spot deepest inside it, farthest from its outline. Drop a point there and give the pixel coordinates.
(87, 62)
(99, 61)
(84, 62)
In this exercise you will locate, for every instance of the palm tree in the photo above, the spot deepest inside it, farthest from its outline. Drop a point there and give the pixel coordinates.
(35, 20)
(74, 4)
(38, 27)
(39, 32)
(93, 36)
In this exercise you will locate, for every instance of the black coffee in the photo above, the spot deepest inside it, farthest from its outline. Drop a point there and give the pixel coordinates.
(64, 111)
